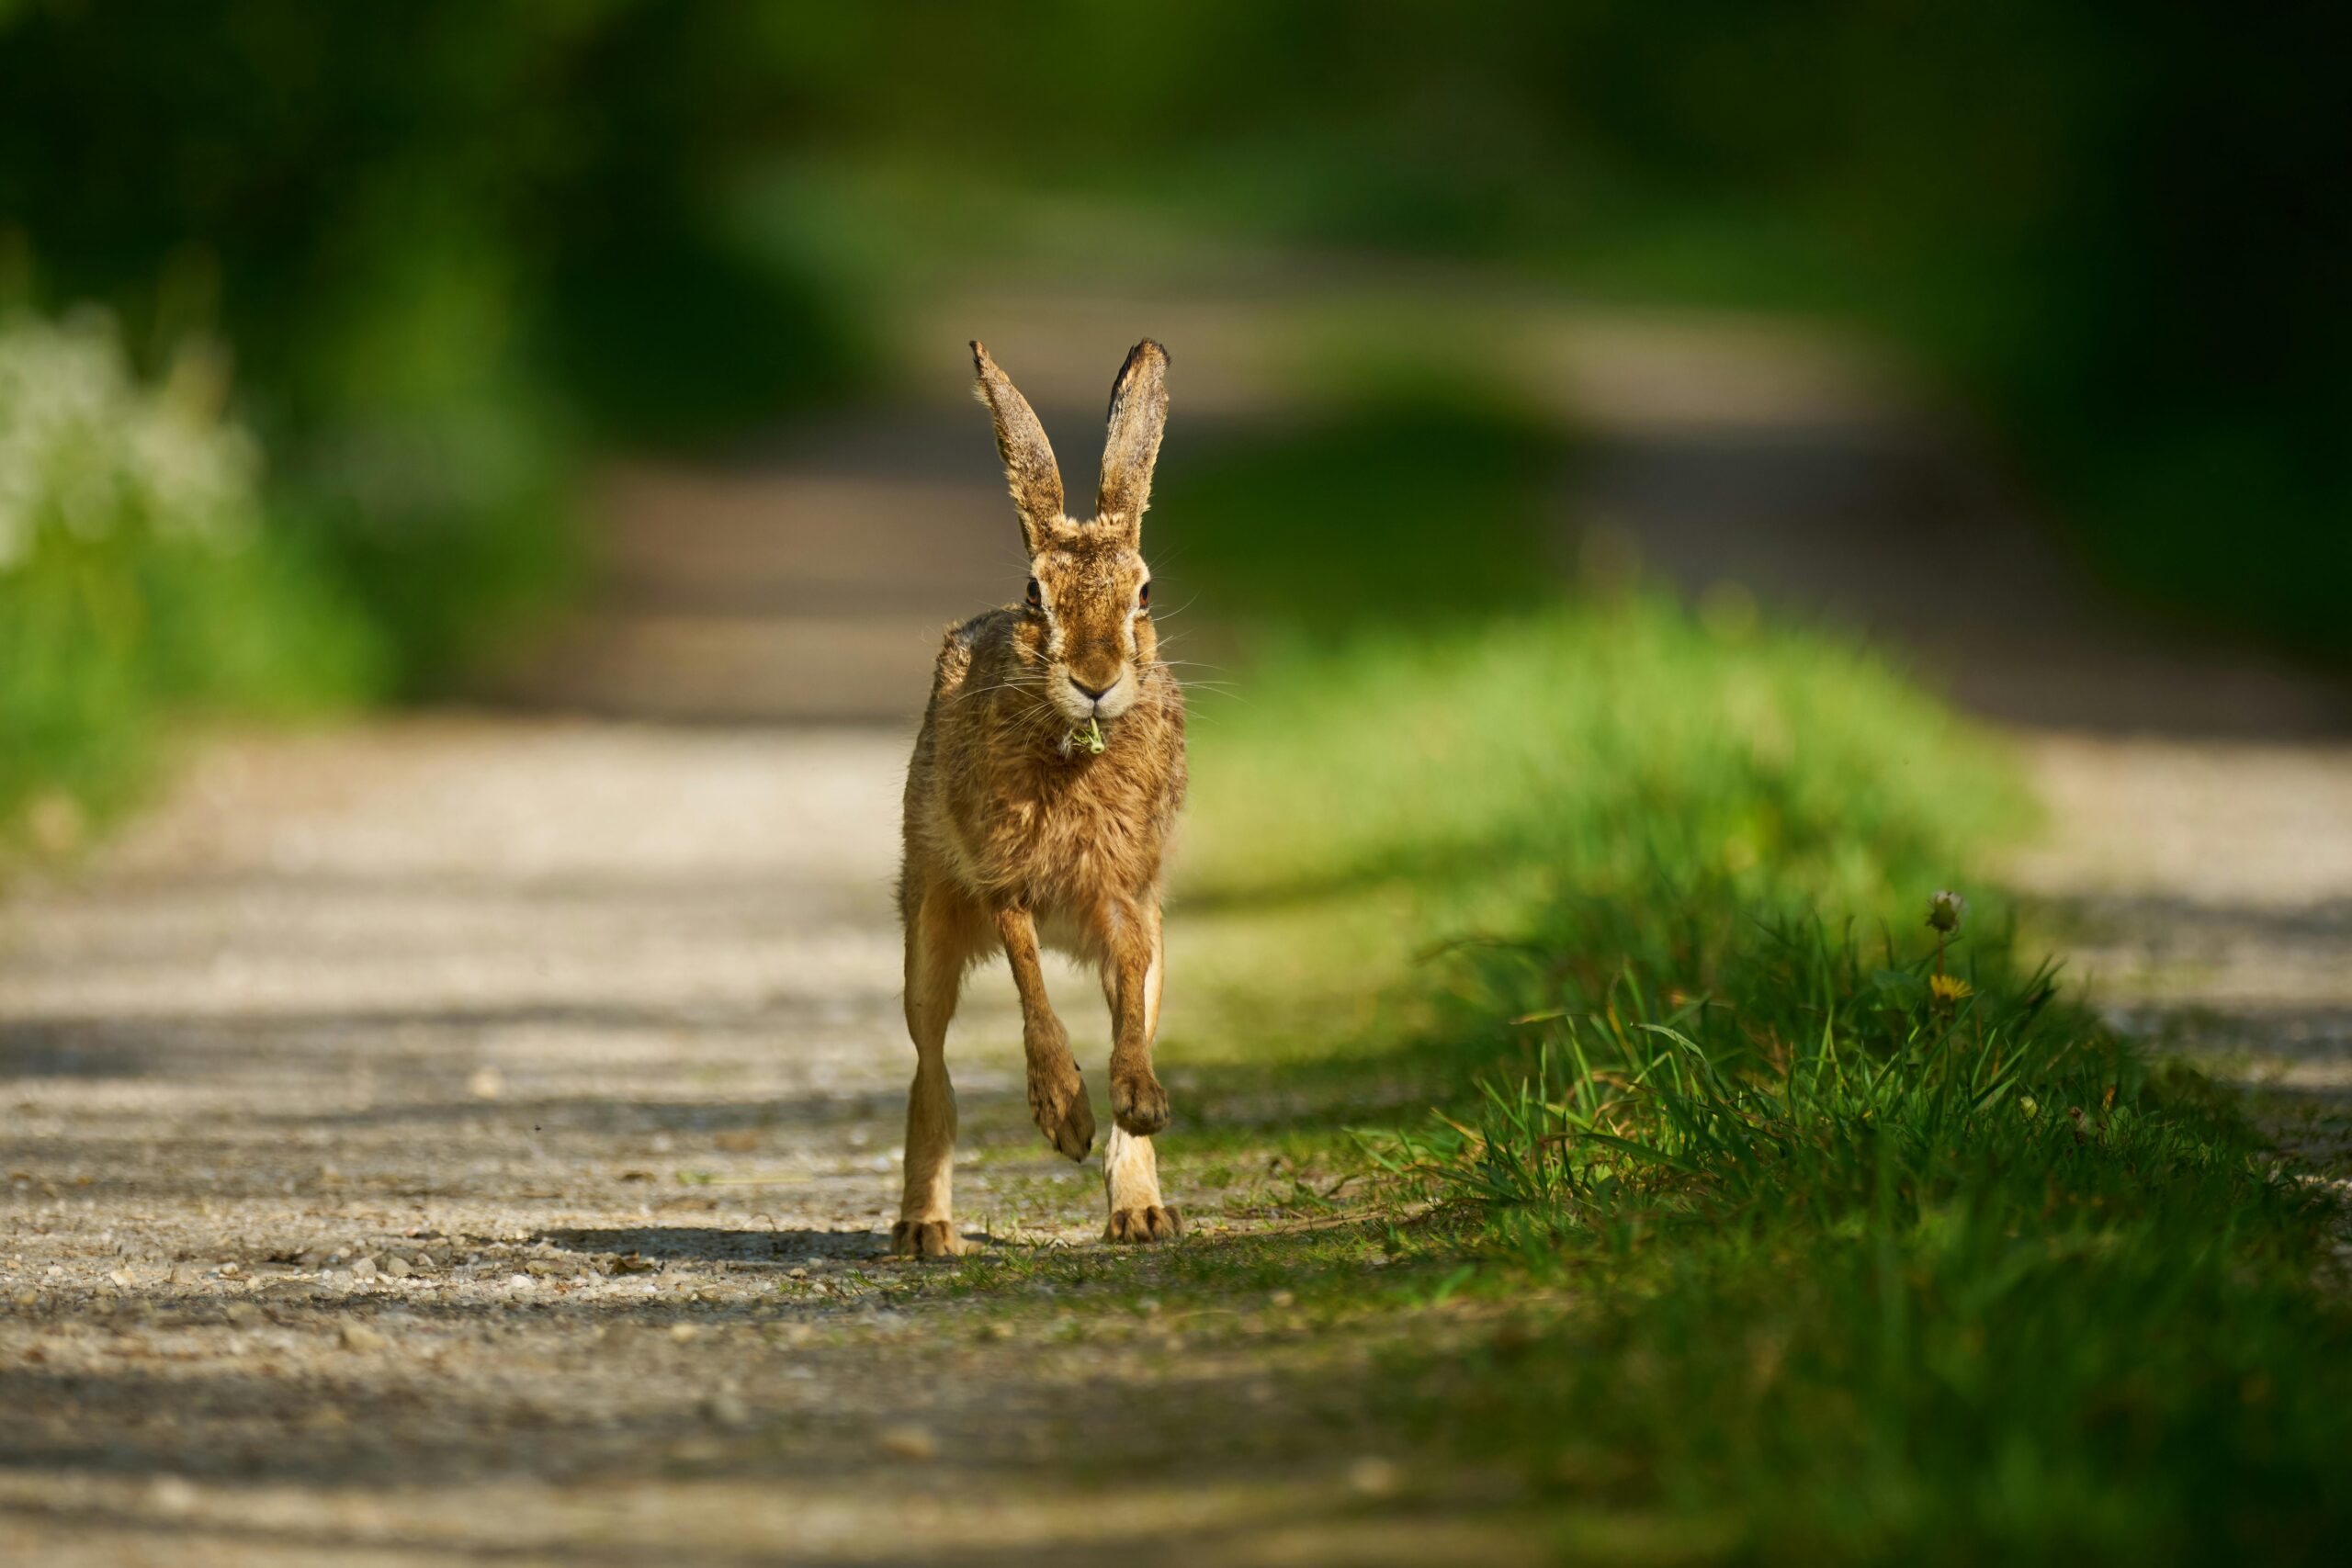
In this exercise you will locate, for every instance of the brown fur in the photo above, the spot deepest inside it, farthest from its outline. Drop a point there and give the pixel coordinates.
(1018, 839)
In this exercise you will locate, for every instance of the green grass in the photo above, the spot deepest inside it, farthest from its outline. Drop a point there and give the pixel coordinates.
(1745, 1244)
(1591, 745)
(1854, 1274)
(1799, 1260)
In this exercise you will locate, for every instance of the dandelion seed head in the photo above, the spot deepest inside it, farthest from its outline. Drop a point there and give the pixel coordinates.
(1945, 909)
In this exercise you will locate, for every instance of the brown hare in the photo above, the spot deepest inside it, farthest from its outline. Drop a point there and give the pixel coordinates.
(1044, 786)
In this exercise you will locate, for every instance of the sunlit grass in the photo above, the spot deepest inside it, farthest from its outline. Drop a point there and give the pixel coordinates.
(1608, 935)
(1591, 742)
(1803, 1256)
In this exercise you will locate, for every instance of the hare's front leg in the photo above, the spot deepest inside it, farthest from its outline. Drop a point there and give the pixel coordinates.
(1057, 1100)
(942, 930)
(1131, 980)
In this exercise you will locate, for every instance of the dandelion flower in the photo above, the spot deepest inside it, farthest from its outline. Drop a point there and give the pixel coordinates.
(1948, 988)
(1944, 909)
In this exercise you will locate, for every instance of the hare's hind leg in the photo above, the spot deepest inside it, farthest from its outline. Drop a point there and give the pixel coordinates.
(944, 930)
(1131, 981)
(1057, 1100)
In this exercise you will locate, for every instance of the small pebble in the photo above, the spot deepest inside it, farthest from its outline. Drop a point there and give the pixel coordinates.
(360, 1337)
(682, 1332)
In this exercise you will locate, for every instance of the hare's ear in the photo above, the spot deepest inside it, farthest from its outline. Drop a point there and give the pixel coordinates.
(1029, 468)
(1138, 413)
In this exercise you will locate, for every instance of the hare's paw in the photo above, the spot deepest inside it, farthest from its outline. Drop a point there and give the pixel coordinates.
(1143, 1225)
(1058, 1104)
(927, 1238)
(1138, 1103)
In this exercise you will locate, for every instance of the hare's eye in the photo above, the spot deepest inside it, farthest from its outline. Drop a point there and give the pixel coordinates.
(1143, 597)
(1037, 598)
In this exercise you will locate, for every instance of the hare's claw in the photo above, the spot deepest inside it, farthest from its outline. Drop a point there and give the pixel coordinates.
(1147, 1224)
(1058, 1104)
(1139, 1104)
(927, 1238)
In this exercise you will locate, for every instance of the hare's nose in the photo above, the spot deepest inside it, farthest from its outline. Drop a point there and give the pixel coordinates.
(1091, 693)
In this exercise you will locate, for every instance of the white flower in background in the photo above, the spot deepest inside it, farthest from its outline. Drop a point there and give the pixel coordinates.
(85, 449)
(1945, 909)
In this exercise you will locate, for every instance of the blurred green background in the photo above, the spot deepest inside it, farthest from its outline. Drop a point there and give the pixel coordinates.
(439, 257)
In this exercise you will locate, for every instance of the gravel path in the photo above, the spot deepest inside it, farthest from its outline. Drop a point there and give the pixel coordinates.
(348, 1101)
(2203, 893)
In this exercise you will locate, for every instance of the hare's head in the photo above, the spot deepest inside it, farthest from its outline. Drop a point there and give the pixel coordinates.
(1086, 633)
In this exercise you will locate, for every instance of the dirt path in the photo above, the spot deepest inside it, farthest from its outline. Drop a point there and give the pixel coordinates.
(2203, 891)
(476, 1139)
